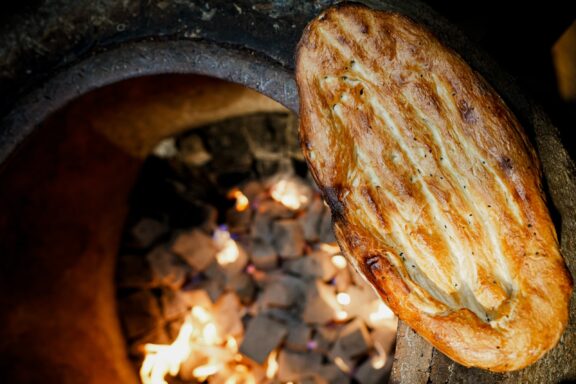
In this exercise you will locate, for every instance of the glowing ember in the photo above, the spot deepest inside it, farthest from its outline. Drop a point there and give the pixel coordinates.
(341, 315)
(343, 298)
(204, 371)
(381, 313)
(272, 364)
(339, 261)
(330, 248)
(290, 193)
(229, 251)
(340, 363)
(241, 200)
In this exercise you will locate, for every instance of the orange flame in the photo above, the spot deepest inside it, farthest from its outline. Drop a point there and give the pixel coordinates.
(272, 364)
(288, 193)
(242, 201)
(197, 336)
(229, 251)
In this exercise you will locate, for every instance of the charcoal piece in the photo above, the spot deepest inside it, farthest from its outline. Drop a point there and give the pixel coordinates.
(174, 305)
(139, 313)
(320, 304)
(353, 342)
(146, 231)
(311, 219)
(192, 151)
(299, 335)
(295, 366)
(196, 248)
(133, 271)
(326, 233)
(166, 269)
(282, 291)
(374, 371)
(243, 285)
(228, 315)
(318, 264)
(262, 336)
(263, 255)
(288, 238)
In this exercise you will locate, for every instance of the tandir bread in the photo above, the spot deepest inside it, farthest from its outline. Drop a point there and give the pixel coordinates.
(434, 187)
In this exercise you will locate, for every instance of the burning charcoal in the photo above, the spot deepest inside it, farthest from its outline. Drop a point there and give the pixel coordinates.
(197, 297)
(353, 341)
(283, 291)
(235, 264)
(311, 219)
(139, 313)
(326, 231)
(321, 305)
(262, 336)
(244, 287)
(165, 268)
(316, 265)
(298, 337)
(294, 366)
(133, 271)
(288, 238)
(196, 248)
(374, 371)
(147, 231)
(263, 255)
(174, 306)
(228, 315)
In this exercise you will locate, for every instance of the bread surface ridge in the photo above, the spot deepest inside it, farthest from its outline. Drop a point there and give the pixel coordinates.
(434, 188)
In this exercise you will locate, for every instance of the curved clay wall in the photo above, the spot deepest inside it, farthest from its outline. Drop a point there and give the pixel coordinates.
(63, 202)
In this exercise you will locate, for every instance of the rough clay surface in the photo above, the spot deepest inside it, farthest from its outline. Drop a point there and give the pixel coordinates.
(55, 37)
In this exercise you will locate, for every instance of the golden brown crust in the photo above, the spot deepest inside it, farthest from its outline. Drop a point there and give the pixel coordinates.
(434, 188)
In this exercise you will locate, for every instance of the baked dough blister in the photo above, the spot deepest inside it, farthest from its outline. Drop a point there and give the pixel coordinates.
(434, 188)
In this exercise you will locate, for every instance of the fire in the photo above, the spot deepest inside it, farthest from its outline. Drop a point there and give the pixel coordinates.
(229, 251)
(242, 201)
(339, 261)
(331, 248)
(341, 315)
(198, 338)
(272, 364)
(290, 193)
(343, 298)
